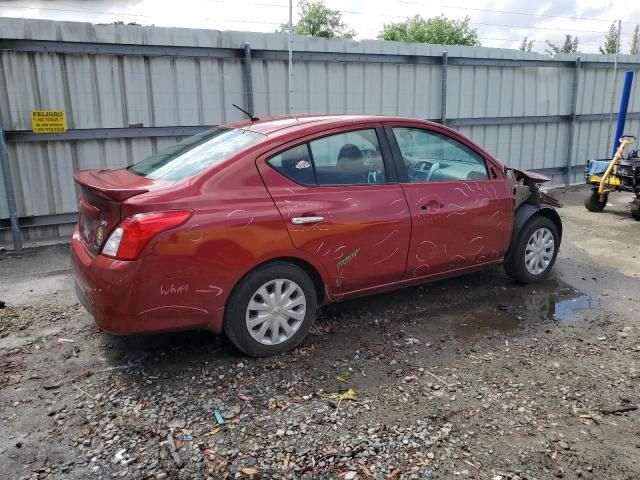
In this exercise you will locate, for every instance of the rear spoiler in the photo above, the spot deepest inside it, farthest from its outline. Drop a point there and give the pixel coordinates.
(107, 183)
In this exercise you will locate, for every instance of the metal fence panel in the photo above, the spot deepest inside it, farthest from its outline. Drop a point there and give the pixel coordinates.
(516, 104)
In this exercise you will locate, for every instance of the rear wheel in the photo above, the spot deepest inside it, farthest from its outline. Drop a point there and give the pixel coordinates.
(593, 203)
(534, 252)
(635, 209)
(271, 310)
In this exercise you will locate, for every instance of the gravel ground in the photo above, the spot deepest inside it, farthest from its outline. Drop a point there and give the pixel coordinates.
(474, 377)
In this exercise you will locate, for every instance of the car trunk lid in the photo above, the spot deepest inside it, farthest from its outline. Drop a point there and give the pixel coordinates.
(100, 203)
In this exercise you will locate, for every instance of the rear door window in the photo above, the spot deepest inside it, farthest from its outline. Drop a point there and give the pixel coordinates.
(350, 158)
(195, 154)
(295, 164)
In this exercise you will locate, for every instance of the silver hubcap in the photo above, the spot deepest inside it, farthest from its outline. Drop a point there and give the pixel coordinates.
(276, 311)
(539, 251)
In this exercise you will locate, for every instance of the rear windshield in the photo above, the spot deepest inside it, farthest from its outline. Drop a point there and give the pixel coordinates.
(195, 154)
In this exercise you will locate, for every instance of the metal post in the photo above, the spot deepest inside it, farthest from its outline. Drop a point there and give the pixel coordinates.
(443, 90)
(11, 194)
(290, 82)
(572, 123)
(622, 113)
(248, 77)
(613, 87)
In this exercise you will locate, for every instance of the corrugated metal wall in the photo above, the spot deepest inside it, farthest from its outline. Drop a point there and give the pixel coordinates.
(115, 91)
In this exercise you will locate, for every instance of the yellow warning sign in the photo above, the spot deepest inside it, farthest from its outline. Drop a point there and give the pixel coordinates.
(48, 121)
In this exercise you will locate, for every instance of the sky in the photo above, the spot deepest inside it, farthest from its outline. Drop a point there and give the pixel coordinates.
(499, 23)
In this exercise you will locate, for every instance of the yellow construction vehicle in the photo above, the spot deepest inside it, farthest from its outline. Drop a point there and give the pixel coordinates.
(621, 175)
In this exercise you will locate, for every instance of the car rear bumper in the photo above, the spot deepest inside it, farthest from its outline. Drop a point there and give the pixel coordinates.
(112, 292)
(103, 286)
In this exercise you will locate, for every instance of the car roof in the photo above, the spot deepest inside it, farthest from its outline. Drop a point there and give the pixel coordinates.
(303, 124)
(286, 124)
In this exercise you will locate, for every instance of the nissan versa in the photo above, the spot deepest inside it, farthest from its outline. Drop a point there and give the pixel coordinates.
(248, 227)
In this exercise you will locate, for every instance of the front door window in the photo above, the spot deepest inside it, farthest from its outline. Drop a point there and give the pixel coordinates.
(433, 157)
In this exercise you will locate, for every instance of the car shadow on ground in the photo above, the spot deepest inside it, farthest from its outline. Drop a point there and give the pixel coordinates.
(465, 309)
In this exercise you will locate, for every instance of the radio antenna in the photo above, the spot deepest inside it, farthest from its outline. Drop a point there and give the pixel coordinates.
(250, 115)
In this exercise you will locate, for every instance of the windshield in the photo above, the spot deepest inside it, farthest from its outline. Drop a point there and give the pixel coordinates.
(195, 154)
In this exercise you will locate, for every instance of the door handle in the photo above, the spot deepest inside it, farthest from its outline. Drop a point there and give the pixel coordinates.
(432, 206)
(303, 220)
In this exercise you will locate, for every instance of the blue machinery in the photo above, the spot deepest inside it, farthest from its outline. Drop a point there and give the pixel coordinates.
(619, 174)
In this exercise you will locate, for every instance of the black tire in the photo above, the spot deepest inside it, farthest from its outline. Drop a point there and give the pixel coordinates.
(234, 323)
(514, 264)
(635, 209)
(593, 203)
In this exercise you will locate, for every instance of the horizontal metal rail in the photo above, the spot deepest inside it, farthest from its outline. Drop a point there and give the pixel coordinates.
(101, 48)
(300, 56)
(608, 64)
(599, 117)
(72, 217)
(104, 133)
(487, 121)
(585, 117)
(508, 62)
(42, 220)
(142, 132)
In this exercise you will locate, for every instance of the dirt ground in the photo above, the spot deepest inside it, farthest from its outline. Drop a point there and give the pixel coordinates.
(474, 377)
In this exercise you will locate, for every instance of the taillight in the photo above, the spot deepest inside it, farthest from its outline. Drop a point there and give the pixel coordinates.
(132, 234)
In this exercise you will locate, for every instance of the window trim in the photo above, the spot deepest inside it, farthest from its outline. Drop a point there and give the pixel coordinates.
(391, 175)
(399, 163)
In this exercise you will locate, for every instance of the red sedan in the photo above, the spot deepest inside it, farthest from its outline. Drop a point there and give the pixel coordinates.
(248, 227)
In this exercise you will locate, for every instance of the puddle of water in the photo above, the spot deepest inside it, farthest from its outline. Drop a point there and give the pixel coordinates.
(468, 308)
(567, 310)
(562, 305)
(524, 306)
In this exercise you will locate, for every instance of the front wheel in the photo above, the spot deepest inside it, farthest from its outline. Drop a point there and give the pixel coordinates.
(271, 310)
(593, 203)
(534, 252)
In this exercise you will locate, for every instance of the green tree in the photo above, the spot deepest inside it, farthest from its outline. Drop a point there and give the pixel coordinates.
(437, 30)
(120, 22)
(611, 40)
(318, 20)
(570, 45)
(635, 41)
(526, 45)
